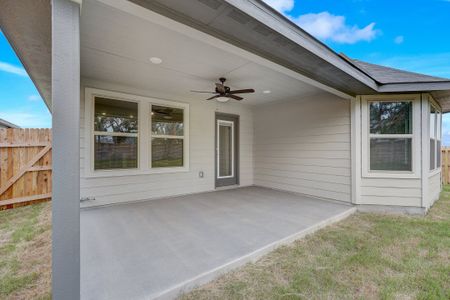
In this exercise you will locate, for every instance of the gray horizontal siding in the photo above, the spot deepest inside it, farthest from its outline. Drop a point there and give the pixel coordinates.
(434, 188)
(201, 140)
(391, 191)
(303, 146)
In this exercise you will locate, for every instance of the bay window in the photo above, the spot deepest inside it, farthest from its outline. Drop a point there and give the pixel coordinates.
(134, 134)
(390, 135)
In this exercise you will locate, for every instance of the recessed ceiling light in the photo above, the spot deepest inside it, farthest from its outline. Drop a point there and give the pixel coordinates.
(155, 60)
(266, 92)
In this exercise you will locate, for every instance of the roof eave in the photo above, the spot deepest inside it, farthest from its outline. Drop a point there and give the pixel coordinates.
(414, 87)
(267, 15)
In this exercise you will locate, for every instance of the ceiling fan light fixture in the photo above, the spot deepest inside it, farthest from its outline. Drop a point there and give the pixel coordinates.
(223, 99)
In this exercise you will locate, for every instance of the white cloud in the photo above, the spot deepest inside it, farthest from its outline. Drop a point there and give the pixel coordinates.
(281, 5)
(26, 119)
(34, 98)
(6, 67)
(326, 26)
(399, 39)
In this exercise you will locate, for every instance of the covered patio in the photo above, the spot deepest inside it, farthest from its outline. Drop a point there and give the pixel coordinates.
(129, 86)
(161, 248)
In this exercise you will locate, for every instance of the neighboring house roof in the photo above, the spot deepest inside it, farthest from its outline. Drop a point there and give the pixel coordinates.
(251, 25)
(6, 124)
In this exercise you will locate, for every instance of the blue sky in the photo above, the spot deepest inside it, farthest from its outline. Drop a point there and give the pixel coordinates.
(413, 35)
(20, 102)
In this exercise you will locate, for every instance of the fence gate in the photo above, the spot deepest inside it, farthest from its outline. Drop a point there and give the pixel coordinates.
(25, 166)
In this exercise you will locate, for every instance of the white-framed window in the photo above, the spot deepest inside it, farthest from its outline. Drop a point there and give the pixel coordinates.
(115, 134)
(166, 136)
(133, 135)
(434, 121)
(391, 136)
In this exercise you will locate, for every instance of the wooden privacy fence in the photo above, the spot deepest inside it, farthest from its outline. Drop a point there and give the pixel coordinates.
(25, 166)
(445, 161)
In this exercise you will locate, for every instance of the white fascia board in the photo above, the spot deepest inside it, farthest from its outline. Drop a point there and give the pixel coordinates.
(414, 87)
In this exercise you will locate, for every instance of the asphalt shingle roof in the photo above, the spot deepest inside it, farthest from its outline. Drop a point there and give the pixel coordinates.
(386, 75)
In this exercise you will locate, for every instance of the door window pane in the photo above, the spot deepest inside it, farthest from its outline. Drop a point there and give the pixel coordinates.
(391, 154)
(167, 121)
(115, 152)
(390, 117)
(115, 116)
(167, 152)
(225, 150)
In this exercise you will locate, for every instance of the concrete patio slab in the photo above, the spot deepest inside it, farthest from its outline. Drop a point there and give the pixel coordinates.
(160, 248)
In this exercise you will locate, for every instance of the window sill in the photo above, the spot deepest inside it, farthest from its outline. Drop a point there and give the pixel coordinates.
(137, 172)
(392, 174)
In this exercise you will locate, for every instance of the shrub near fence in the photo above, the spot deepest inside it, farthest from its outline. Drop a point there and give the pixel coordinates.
(25, 166)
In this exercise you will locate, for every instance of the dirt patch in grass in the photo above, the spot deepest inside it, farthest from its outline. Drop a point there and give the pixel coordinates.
(367, 256)
(25, 251)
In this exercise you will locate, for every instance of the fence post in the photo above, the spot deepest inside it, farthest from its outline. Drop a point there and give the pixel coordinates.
(445, 169)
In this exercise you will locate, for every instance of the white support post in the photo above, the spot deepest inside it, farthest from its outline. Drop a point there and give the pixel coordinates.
(66, 149)
(425, 148)
(355, 105)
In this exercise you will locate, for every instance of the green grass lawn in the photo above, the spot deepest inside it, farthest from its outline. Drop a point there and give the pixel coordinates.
(366, 256)
(25, 252)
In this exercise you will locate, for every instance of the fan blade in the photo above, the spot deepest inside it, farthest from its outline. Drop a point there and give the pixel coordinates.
(203, 92)
(245, 91)
(234, 97)
(213, 97)
(220, 88)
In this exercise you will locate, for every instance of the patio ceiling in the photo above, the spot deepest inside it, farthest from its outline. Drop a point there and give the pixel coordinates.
(251, 36)
(116, 47)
